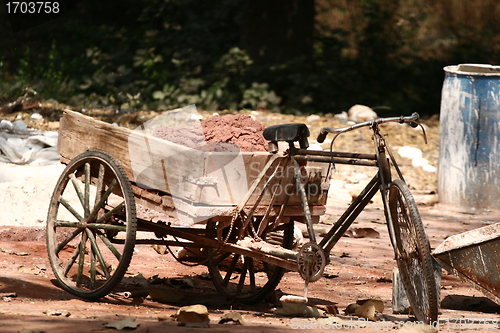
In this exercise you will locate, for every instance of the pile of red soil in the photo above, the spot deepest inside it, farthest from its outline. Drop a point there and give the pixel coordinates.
(218, 134)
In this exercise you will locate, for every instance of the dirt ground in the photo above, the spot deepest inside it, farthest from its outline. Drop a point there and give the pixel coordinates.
(361, 268)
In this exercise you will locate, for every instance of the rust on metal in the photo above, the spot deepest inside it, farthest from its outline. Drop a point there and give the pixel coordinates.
(474, 256)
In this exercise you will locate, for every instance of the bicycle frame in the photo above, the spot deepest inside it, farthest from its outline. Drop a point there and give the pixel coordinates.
(380, 182)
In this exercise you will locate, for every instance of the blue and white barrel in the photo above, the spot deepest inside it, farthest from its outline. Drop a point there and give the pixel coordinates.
(469, 156)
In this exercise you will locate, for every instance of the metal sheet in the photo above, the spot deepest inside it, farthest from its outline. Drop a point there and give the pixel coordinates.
(474, 256)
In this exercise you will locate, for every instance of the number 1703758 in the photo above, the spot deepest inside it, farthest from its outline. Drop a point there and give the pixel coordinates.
(33, 7)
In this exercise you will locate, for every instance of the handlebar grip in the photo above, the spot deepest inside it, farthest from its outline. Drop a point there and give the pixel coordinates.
(321, 136)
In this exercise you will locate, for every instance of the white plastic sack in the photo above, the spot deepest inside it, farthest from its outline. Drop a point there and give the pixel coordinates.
(35, 150)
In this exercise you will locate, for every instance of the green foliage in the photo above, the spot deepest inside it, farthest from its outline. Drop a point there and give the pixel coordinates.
(163, 54)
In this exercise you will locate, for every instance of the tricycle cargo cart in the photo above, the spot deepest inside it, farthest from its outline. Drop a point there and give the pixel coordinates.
(246, 202)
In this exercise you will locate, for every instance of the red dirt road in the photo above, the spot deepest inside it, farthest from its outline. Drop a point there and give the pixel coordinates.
(363, 266)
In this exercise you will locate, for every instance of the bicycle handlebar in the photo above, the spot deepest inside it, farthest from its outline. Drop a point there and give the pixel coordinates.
(412, 120)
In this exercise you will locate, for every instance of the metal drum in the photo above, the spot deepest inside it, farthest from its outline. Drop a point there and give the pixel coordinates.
(469, 157)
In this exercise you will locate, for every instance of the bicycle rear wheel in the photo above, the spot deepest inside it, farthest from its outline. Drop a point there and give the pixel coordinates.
(246, 279)
(413, 253)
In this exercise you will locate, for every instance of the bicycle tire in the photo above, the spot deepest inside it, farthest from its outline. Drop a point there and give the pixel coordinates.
(413, 253)
(99, 232)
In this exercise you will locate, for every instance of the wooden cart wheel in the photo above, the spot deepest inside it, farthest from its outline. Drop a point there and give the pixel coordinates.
(246, 279)
(91, 225)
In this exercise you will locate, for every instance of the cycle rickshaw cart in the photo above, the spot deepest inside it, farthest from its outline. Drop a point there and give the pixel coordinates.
(247, 210)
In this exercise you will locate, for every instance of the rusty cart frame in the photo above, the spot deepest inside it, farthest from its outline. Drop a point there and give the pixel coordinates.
(92, 224)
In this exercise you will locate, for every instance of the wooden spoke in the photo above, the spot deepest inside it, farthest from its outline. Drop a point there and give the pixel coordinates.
(71, 261)
(251, 273)
(67, 205)
(110, 213)
(81, 259)
(86, 205)
(230, 269)
(68, 239)
(98, 253)
(100, 184)
(103, 226)
(66, 224)
(239, 278)
(92, 269)
(102, 200)
(243, 275)
(110, 246)
(78, 190)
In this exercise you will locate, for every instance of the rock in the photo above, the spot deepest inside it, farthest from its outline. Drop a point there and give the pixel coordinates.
(193, 316)
(312, 118)
(342, 117)
(20, 127)
(359, 113)
(36, 116)
(5, 124)
(410, 152)
(315, 146)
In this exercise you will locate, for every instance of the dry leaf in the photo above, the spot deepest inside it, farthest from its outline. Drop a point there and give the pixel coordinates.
(366, 311)
(193, 316)
(362, 233)
(299, 310)
(121, 324)
(232, 316)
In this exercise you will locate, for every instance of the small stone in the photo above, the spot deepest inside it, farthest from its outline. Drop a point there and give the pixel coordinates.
(20, 127)
(359, 113)
(313, 118)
